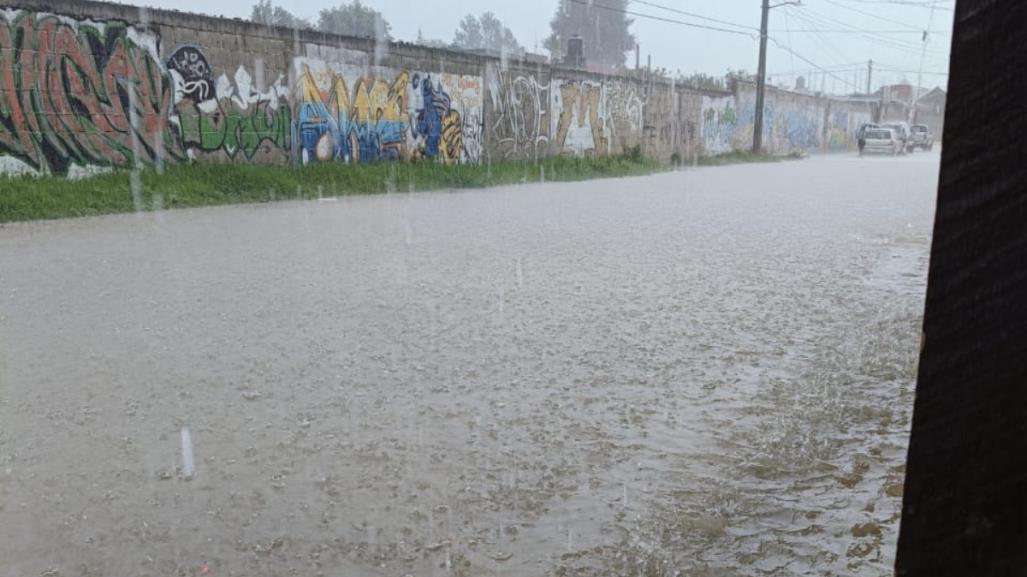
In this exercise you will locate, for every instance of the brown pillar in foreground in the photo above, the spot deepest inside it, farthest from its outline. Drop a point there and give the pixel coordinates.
(965, 509)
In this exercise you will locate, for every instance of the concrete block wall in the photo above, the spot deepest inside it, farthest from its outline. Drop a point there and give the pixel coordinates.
(518, 111)
(88, 86)
(842, 121)
(792, 121)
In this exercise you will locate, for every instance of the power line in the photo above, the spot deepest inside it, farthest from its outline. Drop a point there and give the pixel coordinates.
(912, 71)
(825, 31)
(814, 70)
(661, 19)
(808, 18)
(821, 20)
(692, 14)
(823, 40)
(923, 56)
(828, 47)
(788, 28)
(811, 63)
(924, 4)
(839, 69)
(871, 14)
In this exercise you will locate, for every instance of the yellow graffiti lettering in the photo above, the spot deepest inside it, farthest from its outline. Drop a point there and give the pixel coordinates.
(452, 138)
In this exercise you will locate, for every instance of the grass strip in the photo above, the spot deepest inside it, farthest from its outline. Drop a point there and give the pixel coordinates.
(25, 198)
(740, 157)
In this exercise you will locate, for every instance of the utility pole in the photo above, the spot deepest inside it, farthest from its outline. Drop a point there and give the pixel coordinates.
(870, 74)
(761, 82)
(920, 72)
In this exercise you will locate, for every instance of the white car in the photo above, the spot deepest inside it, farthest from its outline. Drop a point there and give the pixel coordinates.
(881, 141)
(902, 133)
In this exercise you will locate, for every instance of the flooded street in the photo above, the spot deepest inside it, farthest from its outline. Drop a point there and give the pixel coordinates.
(698, 373)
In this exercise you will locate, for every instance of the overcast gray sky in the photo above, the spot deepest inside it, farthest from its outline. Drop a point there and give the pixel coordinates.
(837, 35)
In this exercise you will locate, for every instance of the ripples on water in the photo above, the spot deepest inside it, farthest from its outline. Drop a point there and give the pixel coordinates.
(686, 374)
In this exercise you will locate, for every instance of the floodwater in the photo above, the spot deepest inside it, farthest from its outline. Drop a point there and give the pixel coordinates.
(705, 372)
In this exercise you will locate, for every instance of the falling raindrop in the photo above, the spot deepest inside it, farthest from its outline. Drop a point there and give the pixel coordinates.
(258, 73)
(135, 184)
(144, 17)
(381, 40)
(188, 462)
(137, 161)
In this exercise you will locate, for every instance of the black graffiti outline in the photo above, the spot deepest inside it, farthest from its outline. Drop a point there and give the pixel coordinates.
(189, 61)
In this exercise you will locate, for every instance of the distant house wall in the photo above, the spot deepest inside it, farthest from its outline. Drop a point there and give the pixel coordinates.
(930, 110)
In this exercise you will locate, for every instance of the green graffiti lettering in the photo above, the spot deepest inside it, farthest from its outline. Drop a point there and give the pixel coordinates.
(232, 130)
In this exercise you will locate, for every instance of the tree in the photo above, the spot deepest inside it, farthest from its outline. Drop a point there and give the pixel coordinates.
(269, 15)
(739, 75)
(485, 33)
(603, 27)
(700, 81)
(354, 20)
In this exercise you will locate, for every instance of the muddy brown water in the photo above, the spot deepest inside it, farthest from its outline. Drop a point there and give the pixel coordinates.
(706, 372)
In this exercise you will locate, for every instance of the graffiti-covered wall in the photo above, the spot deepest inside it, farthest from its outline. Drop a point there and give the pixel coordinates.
(843, 121)
(534, 112)
(792, 121)
(80, 93)
(90, 86)
(350, 110)
(518, 112)
(719, 120)
(227, 117)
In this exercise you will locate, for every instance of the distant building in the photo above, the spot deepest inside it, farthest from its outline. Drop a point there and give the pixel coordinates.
(897, 103)
(897, 92)
(930, 110)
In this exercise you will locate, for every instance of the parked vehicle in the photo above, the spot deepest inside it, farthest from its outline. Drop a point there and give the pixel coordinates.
(902, 133)
(920, 137)
(881, 141)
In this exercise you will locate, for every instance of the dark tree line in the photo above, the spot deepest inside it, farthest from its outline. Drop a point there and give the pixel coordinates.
(353, 19)
(604, 28)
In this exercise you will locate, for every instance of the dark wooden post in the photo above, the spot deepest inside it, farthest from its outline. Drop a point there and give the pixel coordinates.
(965, 508)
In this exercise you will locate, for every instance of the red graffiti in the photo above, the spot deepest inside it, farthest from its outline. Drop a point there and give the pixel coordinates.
(82, 94)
